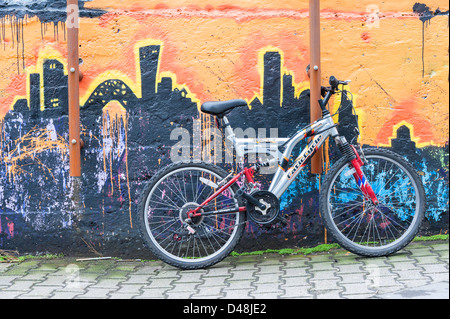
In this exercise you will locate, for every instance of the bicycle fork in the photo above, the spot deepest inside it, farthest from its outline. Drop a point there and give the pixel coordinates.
(360, 178)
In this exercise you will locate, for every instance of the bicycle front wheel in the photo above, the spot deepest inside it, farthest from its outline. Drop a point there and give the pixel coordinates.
(362, 227)
(163, 210)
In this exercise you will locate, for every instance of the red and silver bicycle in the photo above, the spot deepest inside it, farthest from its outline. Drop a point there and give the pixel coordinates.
(193, 214)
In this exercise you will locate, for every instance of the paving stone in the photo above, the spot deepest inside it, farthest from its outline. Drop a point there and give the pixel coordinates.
(413, 283)
(76, 285)
(358, 288)
(322, 266)
(183, 287)
(328, 284)
(147, 270)
(4, 267)
(439, 246)
(35, 276)
(333, 294)
(265, 295)
(160, 283)
(405, 265)
(64, 295)
(296, 292)
(438, 277)
(267, 288)
(268, 278)
(217, 272)
(270, 260)
(240, 284)
(93, 293)
(352, 278)
(137, 279)
(434, 268)
(108, 283)
(42, 292)
(156, 293)
(213, 281)
(295, 272)
(349, 268)
(21, 285)
(268, 269)
(389, 289)
(295, 281)
(443, 255)
(51, 281)
(7, 280)
(210, 290)
(409, 274)
(179, 295)
(242, 274)
(128, 289)
(190, 277)
(295, 262)
(243, 293)
(321, 275)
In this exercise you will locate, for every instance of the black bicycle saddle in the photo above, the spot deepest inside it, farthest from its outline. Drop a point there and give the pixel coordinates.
(220, 109)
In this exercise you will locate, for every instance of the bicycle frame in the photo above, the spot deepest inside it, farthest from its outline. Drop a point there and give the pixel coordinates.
(319, 131)
(283, 178)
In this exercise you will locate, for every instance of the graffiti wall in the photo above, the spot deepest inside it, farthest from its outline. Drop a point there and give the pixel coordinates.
(148, 66)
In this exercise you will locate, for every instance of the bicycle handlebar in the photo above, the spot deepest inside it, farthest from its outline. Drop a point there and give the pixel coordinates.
(330, 91)
(335, 82)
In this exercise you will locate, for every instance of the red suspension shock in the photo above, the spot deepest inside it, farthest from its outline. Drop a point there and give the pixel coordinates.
(360, 178)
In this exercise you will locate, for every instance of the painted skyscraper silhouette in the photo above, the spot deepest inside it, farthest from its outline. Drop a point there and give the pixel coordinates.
(149, 60)
(279, 107)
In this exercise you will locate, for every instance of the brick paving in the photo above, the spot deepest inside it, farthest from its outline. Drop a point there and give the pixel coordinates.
(419, 271)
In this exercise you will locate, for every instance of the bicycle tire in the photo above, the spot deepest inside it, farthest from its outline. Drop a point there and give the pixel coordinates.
(180, 261)
(385, 220)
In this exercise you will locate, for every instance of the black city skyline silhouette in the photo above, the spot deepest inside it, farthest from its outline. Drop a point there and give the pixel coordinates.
(280, 107)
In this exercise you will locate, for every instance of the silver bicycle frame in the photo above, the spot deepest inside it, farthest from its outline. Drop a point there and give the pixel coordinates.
(283, 178)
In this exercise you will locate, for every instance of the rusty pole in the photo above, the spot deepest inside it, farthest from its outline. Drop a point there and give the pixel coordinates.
(72, 25)
(315, 76)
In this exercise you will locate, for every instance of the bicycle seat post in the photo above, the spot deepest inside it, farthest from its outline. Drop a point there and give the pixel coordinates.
(230, 134)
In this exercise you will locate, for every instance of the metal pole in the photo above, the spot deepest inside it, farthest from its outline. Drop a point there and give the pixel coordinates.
(315, 76)
(72, 26)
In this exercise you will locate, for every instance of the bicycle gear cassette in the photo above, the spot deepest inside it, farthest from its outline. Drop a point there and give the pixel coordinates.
(268, 215)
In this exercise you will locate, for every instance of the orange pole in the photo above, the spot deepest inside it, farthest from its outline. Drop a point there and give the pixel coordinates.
(72, 25)
(315, 76)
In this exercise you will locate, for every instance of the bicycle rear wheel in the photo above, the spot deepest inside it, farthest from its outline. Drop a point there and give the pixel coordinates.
(163, 210)
(362, 227)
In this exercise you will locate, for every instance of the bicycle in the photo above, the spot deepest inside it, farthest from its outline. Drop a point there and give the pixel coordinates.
(192, 215)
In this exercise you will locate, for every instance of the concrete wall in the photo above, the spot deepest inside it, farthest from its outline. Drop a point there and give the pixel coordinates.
(148, 66)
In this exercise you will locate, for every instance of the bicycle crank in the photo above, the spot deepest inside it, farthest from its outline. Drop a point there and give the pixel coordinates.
(271, 209)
